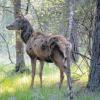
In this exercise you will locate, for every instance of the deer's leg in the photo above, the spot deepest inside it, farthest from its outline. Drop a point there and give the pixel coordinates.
(33, 63)
(41, 70)
(61, 78)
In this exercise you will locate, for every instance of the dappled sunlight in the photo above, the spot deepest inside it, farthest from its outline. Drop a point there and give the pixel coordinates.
(17, 86)
(8, 89)
(14, 84)
(52, 38)
(51, 79)
(23, 82)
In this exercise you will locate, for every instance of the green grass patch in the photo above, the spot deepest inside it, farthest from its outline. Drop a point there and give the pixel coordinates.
(17, 86)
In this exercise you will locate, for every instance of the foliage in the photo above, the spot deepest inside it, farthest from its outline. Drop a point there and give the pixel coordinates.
(16, 86)
(50, 17)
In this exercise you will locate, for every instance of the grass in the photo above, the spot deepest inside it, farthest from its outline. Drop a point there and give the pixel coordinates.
(16, 86)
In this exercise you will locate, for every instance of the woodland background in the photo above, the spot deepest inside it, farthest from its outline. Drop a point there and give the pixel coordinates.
(50, 17)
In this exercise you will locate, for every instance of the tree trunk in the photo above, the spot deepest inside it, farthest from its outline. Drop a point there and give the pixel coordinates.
(72, 36)
(74, 40)
(20, 63)
(72, 30)
(94, 76)
(71, 16)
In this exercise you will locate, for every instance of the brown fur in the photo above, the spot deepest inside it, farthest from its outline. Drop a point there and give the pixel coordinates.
(55, 50)
(50, 48)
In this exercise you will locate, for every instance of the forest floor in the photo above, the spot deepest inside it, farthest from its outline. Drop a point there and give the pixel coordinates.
(17, 86)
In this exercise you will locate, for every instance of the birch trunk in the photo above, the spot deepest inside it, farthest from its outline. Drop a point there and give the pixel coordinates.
(72, 30)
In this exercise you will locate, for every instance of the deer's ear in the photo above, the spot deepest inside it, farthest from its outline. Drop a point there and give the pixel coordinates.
(21, 16)
(28, 17)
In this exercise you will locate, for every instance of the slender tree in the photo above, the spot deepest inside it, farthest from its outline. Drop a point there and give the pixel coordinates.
(71, 33)
(20, 63)
(72, 29)
(94, 76)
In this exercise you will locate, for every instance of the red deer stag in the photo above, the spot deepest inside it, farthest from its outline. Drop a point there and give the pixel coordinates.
(49, 48)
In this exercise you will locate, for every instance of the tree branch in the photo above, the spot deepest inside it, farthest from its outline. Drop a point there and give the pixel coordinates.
(7, 48)
(82, 55)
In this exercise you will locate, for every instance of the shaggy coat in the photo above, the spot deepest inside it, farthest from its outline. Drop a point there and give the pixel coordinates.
(49, 48)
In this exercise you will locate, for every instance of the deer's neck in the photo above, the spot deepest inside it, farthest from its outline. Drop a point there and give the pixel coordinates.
(27, 31)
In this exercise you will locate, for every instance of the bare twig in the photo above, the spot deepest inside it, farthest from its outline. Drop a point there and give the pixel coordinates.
(7, 48)
(79, 68)
(82, 55)
(37, 18)
(6, 9)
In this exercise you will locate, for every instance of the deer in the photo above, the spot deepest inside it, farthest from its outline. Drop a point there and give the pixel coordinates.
(45, 48)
